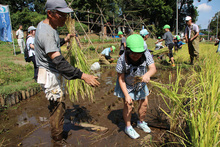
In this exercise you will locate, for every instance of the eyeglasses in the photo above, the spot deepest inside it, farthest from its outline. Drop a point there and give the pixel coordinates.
(62, 16)
(133, 53)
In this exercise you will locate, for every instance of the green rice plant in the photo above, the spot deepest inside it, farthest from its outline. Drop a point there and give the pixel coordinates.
(182, 55)
(194, 101)
(77, 59)
(204, 111)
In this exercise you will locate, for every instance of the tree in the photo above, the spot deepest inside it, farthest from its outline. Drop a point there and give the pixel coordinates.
(19, 5)
(109, 7)
(213, 23)
(26, 18)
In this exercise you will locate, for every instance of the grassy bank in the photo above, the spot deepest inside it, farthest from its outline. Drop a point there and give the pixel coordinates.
(194, 99)
(15, 73)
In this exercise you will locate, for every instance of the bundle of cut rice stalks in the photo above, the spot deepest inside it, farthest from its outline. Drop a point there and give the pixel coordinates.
(77, 59)
(160, 51)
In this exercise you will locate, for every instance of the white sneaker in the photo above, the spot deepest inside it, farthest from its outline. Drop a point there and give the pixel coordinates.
(132, 133)
(143, 126)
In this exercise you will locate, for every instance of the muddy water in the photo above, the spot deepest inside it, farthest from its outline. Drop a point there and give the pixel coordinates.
(26, 124)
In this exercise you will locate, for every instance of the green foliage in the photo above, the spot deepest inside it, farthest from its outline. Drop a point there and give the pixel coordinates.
(19, 5)
(26, 18)
(154, 12)
(63, 30)
(213, 23)
(11, 72)
(100, 40)
(193, 99)
(109, 7)
(79, 28)
(14, 76)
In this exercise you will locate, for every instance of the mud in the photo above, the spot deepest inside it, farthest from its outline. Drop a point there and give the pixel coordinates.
(26, 124)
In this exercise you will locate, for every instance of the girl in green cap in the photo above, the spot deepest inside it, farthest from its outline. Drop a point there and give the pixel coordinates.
(131, 82)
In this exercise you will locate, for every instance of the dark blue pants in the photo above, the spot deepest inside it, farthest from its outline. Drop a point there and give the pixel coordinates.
(35, 67)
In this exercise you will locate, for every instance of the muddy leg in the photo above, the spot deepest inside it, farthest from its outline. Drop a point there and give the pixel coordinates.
(172, 60)
(57, 110)
(127, 114)
(142, 110)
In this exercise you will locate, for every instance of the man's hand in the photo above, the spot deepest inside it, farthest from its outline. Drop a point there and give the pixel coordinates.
(191, 39)
(90, 79)
(67, 39)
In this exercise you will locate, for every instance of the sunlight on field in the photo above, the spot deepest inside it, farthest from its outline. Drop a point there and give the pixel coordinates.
(194, 99)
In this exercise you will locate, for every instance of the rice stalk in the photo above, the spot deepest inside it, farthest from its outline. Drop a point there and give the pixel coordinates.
(196, 102)
(77, 59)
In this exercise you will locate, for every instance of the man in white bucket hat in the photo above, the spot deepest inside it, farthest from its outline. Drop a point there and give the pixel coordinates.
(192, 38)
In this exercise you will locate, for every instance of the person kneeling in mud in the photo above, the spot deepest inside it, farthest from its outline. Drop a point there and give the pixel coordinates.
(159, 44)
(105, 57)
(131, 82)
(177, 43)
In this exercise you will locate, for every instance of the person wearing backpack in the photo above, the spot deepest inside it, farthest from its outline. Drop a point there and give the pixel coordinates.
(30, 48)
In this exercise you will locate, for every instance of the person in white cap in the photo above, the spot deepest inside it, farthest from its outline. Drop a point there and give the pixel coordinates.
(53, 66)
(192, 38)
(30, 48)
(20, 38)
(145, 34)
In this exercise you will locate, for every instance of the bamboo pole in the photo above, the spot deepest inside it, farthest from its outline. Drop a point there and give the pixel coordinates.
(146, 27)
(84, 31)
(104, 18)
(88, 23)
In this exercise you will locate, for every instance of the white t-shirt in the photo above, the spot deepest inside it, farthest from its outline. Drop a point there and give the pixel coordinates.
(159, 43)
(193, 27)
(20, 34)
(30, 41)
(145, 46)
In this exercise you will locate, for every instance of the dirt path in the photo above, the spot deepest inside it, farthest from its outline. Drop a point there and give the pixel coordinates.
(18, 122)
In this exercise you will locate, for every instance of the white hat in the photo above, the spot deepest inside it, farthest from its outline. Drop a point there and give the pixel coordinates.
(188, 18)
(144, 32)
(31, 28)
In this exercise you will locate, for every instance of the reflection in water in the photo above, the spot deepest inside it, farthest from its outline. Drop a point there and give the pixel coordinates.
(23, 119)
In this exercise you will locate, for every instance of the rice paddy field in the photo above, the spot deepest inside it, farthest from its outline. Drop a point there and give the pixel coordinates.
(184, 105)
(194, 98)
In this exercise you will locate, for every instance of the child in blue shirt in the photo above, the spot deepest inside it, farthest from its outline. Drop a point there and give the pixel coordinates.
(105, 55)
(177, 43)
(131, 83)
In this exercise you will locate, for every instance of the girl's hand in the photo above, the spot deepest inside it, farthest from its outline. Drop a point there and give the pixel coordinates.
(128, 100)
(145, 78)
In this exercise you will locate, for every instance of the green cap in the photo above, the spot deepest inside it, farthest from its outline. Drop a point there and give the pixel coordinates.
(166, 26)
(159, 37)
(113, 48)
(136, 43)
(120, 33)
(177, 37)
